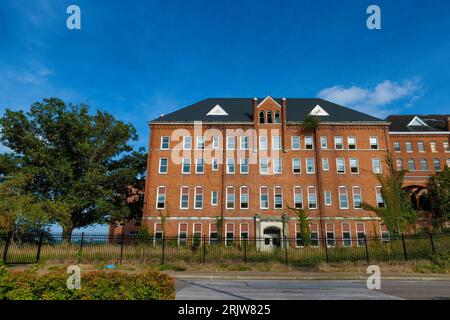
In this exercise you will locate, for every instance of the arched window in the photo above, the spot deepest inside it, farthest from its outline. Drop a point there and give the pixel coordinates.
(269, 117)
(437, 165)
(411, 165)
(277, 117)
(423, 165)
(262, 117)
(399, 164)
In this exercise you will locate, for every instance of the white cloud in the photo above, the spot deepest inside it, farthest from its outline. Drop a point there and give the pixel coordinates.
(377, 100)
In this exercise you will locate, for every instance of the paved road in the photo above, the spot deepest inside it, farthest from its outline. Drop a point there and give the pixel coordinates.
(202, 289)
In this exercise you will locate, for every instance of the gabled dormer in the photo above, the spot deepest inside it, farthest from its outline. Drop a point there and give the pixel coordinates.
(217, 111)
(268, 111)
(416, 121)
(318, 111)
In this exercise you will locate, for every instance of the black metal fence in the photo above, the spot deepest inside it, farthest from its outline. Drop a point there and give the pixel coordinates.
(194, 250)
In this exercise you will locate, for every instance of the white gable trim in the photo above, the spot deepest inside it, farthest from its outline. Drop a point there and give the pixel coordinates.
(416, 121)
(318, 111)
(217, 111)
(268, 98)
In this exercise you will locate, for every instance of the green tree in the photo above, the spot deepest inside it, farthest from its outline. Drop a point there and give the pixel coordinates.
(397, 213)
(80, 164)
(439, 187)
(303, 219)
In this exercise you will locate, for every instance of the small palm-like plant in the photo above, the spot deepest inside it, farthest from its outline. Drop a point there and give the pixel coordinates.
(303, 219)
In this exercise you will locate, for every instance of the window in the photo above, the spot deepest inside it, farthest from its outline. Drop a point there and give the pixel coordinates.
(230, 142)
(327, 198)
(310, 168)
(357, 198)
(343, 198)
(243, 166)
(338, 143)
(277, 166)
(165, 143)
(351, 143)
(433, 146)
(385, 236)
(184, 198)
(182, 233)
(158, 232)
(421, 146)
(295, 142)
(379, 197)
(200, 143)
(325, 164)
(346, 235)
(263, 166)
(309, 143)
(411, 165)
(244, 142)
(215, 164)
(197, 230)
(263, 143)
(314, 235)
(396, 146)
(264, 198)
(298, 235)
(340, 165)
(399, 164)
(446, 146)
(214, 198)
(448, 162)
(186, 164)
(269, 117)
(215, 142)
(244, 231)
(229, 234)
(244, 198)
(296, 166)
(230, 166)
(187, 142)
(161, 198)
(408, 146)
(199, 166)
(331, 241)
(373, 143)
(230, 197)
(277, 117)
(437, 164)
(354, 167)
(276, 143)
(278, 198)
(262, 117)
(423, 165)
(361, 233)
(298, 198)
(163, 163)
(312, 199)
(376, 165)
(213, 234)
(198, 198)
(324, 142)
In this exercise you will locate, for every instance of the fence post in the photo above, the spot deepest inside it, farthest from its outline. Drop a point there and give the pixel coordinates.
(163, 245)
(204, 249)
(38, 255)
(286, 251)
(326, 250)
(245, 250)
(80, 252)
(122, 240)
(367, 248)
(432, 242)
(404, 247)
(8, 242)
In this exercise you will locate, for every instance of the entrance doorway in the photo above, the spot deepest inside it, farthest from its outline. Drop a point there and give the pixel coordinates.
(272, 238)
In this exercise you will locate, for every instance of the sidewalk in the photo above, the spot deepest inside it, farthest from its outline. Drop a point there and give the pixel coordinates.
(252, 275)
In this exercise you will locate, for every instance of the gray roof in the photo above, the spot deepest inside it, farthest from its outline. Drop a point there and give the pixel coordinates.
(241, 110)
(435, 123)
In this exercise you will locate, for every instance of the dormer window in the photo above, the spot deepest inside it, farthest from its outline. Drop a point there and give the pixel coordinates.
(277, 117)
(262, 117)
(269, 117)
(416, 121)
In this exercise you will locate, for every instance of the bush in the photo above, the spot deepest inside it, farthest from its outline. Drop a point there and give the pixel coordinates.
(98, 285)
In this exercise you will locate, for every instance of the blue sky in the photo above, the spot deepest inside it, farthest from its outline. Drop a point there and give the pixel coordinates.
(138, 59)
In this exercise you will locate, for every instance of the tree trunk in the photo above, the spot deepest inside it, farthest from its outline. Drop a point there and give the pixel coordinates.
(67, 234)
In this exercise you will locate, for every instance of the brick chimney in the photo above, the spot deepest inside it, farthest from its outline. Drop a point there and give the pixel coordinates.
(255, 110)
(283, 124)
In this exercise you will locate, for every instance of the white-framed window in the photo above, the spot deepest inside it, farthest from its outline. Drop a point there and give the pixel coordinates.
(338, 143)
(182, 233)
(200, 143)
(187, 142)
(421, 146)
(213, 234)
(229, 228)
(230, 197)
(244, 225)
(437, 164)
(433, 146)
(230, 166)
(263, 144)
(163, 165)
(215, 164)
(264, 198)
(446, 146)
(244, 197)
(331, 239)
(215, 142)
(184, 197)
(411, 165)
(325, 164)
(296, 166)
(314, 235)
(354, 165)
(312, 198)
(448, 162)
(277, 166)
(351, 141)
(340, 165)
(376, 165)
(379, 197)
(276, 142)
(361, 234)
(158, 231)
(385, 235)
(199, 166)
(263, 166)
(295, 142)
(408, 145)
(231, 142)
(309, 145)
(186, 166)
(298, 197)
(278, 198)
(243, 165)
(165, 143)
(346, 235)
(374, 143)
(423, 165)
(310, 166)
(343, 198)
(197, 230)
(399, 164)
(243, 143)
(327, 196)
(396, 146)
(357, 197)
(298, 235)
(323, 142)
(161, 197)
(198, 197)
(214, 198)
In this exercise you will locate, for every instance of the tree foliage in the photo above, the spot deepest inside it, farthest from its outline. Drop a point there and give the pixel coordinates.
(311, 123)
(439, 187)
(303, 219)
